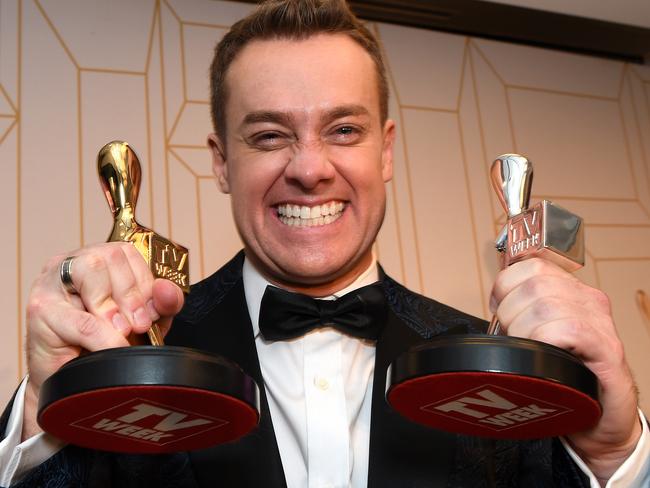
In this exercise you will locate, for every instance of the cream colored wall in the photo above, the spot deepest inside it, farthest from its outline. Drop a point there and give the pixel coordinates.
(75, 74)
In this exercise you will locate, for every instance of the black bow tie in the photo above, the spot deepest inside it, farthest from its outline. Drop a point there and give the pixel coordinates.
(286, 315)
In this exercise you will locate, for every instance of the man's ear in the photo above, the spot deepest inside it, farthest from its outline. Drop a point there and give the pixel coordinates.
(387, 150)
(219, 164)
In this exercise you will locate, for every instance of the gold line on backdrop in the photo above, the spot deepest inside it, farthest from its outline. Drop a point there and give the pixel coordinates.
(472, 216)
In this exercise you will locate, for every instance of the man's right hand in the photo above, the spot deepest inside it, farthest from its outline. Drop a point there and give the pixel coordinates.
(117, 296)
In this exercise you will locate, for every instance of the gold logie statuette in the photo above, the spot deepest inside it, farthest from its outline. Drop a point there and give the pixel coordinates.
(162, 399)
(120, 176)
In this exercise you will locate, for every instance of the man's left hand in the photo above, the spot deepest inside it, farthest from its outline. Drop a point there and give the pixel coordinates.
(538, 300)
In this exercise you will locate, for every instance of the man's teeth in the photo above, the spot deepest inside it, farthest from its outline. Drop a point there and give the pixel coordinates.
(303, 216)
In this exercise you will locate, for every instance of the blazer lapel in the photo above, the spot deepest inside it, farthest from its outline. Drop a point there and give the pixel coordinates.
(253, 460)
(402, 453)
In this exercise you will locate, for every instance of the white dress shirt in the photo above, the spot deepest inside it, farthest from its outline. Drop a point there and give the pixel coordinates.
(319, 390)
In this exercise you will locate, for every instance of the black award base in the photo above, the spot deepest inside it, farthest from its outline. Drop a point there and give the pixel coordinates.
(149, 399)
(494, 386)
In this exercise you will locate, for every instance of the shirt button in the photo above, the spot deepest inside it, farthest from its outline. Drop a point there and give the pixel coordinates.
(321, 383)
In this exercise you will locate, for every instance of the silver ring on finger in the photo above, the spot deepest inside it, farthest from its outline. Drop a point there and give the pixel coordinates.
(65, 272)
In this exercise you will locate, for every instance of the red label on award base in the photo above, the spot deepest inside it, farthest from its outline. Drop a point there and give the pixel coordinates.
(148, 419)
(148, 422)
(497, 405)
(495, 408)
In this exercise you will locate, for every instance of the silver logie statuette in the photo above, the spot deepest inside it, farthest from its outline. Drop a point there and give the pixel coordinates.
(544, 230)
(492, 385)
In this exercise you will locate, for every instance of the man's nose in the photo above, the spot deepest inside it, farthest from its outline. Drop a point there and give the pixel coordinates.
(310, 165)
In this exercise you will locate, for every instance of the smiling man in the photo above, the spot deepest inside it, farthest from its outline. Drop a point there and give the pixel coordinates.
(303, 145)
(304, 117)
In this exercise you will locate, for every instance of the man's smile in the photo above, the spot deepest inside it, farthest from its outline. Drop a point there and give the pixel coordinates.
(303, 216)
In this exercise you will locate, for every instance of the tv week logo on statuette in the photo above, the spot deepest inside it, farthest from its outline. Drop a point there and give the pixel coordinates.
(149, 422)
(169, 261)
(524, 233)
(495, 408)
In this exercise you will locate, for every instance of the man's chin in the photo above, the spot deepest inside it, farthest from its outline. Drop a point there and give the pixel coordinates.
(317, 276)
(312, 275)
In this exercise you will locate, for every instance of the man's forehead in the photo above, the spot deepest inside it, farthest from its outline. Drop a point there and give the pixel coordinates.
(262, 56)
(313, 42)
(318, 73)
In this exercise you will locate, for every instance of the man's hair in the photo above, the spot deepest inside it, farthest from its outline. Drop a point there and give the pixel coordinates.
(290, 19)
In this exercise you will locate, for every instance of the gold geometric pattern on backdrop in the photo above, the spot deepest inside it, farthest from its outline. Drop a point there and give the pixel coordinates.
(643, 302)
(73, 78)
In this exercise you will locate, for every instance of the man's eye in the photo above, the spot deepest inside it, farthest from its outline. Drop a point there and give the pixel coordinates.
(268, 140)
(346, 130)
(346, 134)
(267, 136)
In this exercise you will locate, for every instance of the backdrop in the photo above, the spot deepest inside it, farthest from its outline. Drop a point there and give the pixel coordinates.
(75, 74)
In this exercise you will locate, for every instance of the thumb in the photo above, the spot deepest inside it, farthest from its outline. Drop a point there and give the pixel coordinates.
(168, 300)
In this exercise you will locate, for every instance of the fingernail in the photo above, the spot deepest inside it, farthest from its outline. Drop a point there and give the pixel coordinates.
(119, 322)
(493, 304)
(141, 317)
(153, 313)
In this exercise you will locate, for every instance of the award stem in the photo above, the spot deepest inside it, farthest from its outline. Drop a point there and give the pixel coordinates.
(512, 178)
(495, 326)
(155, 336)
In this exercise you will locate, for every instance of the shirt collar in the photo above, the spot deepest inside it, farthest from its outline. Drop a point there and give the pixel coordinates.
(255, 284)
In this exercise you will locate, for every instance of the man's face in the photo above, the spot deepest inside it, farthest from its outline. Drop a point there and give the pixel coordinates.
(305, 159)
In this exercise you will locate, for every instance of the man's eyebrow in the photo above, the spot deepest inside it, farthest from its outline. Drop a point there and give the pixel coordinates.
(284, 118)
(267, 116)
(344, 111)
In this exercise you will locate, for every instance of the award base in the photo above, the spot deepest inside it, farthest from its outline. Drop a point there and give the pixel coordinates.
(494, 386)
(148, 399)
